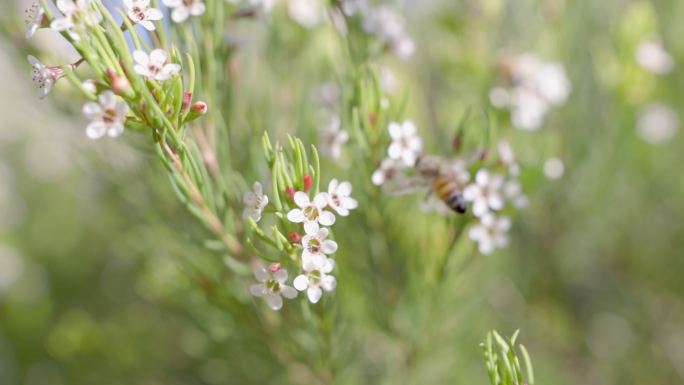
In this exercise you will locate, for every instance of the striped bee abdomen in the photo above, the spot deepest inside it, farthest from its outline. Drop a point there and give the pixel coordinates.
(449, 191)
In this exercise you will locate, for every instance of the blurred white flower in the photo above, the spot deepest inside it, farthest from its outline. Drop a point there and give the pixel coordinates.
(35, 18)
(554, 168)
(311, 213)
(339, 197)
(507, 157)
(332, 138)
(317, 280)
(76, 13)
(89, 85)
(44, 76)
(155, 65)
(485, 193)
(652, 56)
(255, 202)
(351, 7)
(308, 13)
(406, 144)
(272, 286)
(107, 116)
(536, 85)
(491, 233)
(388, 80)
(389, 26)
(182, 9)
(512, 191)
(657, 123)
(140, 12)
(314, 249)
(388, 170)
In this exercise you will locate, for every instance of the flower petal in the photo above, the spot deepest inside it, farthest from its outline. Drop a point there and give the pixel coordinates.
(274, 301)
(311, 227)
(296, 216)
(326, 218)
(288, 292)
(96, 130)
(301, 199)
(328, 246)
(314, 294)
(301, 282)
(257, 290)
(141, 58)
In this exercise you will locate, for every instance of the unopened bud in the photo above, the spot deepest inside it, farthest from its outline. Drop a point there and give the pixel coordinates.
(120, 84)
(295, 237)
(196, 110)
(290, 191)
(307, 182)
(187, 99)
(274, 267)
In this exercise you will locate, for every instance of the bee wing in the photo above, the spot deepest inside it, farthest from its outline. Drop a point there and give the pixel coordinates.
(404, 185)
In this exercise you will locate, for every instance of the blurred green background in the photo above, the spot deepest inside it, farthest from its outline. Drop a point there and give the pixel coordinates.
(91, 235)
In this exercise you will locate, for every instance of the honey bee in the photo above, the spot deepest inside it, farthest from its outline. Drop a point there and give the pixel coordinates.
(446, 179)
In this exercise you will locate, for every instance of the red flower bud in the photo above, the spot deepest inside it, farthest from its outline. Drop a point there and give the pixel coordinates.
(307, 182)
(199, 108)
(274, 267)
(294, 237)
(290, 191)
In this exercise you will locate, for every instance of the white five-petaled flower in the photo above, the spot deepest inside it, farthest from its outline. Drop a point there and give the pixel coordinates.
(255, 201)
(272, 286)
(315, 248)
(184, 8)
(339, 198)
(311, 213)
(44, 76)
(155, 66)
(406, 144)
(140, 12)
(317, 280)
(107, 117)
(485, 193)
(332, 138)
(76, 13)
(35, 18)
(491, 233)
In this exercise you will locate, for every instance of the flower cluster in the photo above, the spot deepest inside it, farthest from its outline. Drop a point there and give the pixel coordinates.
(534, 87)
(404, 149)
(331, 136)
(389, 26)
(308, 221)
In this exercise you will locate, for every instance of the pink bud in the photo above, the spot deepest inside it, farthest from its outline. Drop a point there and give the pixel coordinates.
(294, 237)
(199, 108)
(274, 267)
(307, 182)
(290, 191)
(187, 99)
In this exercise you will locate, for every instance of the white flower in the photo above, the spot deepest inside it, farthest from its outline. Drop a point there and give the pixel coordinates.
(491, 233)
(485, 193)
(140, 12)
(389, 26)
(308, 13)
(184, 8)
(512, 191)
(155, 66)
(255, 201)
(528, 109)
(554, 168)
(315, 280)
(389, 170)
(315, 247)
(35, 17)
(657, 123)
(351, 7)
(272, 286)
(339, 198)
(107, 117)
(76, 14)
(388, 80)
(332, 138)
(653, 57)
(311, 213)
(507, 157)
(406, 144)
(44, 76)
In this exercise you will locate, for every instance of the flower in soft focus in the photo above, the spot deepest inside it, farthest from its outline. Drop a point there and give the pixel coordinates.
(657, 123)
(332, 138)
(89, 85)
(485, 193)
(406, 144)
(339, 198)
(507, 157)
(536, 85)
(491, 233)
(388, 25)
(272, 286)
(255, 201)
(44, 76)
(388, 80)
(351, 7)
(140, 12)
(315, 247)
(182, 9)
(107, 116)
(316, 280)
(76, 13)
(308, 13)
(311, 213)
(35, 18)
(554, 168)
(155, 66)
(512, 191)
(389, 169)
(652, 56)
